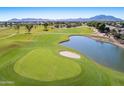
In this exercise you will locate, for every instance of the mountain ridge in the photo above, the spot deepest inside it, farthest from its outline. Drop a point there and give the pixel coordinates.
(95, 18)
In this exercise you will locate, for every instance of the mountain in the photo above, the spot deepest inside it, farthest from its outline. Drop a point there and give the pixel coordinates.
(27, 20)
(72, 20)
(104, 18)
(95, 18)
(46, 20)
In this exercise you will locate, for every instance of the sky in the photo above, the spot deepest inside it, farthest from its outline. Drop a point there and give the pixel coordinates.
(7, 13)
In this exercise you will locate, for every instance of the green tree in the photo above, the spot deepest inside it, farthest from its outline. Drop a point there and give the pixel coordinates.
(101, 27)
(45, 26)
(11, 25)
(17, 27)
(29, 27)
(6, 24)
(97, 24)
(56, 25)
(107, 31)
(113, 32)
(122, 24)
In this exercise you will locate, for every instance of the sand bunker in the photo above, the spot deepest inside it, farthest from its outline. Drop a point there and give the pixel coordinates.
(69, 54)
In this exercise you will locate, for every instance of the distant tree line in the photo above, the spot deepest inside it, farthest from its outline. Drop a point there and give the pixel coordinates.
(67, 24)
(101, 26)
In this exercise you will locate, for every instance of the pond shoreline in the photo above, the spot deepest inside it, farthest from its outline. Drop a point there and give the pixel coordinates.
(105, 39)
(101, 37)
(86, 47)
(97, 37)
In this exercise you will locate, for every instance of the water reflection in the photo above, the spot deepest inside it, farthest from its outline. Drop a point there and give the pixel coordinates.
(103, 53)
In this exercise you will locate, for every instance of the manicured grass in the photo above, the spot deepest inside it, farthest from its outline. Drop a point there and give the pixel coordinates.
(80, 30)
(33, 59)
(6, 32)
(44, 65)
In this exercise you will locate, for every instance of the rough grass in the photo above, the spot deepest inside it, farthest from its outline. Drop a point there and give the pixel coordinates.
(80, 71)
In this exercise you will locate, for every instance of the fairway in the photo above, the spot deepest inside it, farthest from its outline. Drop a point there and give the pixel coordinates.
(34, 59)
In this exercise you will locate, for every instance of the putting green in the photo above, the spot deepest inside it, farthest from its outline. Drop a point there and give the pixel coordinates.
(44, 65)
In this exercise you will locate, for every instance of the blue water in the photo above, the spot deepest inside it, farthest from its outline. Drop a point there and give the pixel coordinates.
(103, 53)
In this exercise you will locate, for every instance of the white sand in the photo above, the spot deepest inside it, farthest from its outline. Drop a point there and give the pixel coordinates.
(69, 54)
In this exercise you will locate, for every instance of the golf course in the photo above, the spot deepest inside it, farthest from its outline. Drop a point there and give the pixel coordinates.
(34, 59)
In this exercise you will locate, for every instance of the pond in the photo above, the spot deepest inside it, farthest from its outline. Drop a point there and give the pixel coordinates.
(103, 53)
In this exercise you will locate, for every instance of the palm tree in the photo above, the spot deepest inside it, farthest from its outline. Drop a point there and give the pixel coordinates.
(29, 27)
